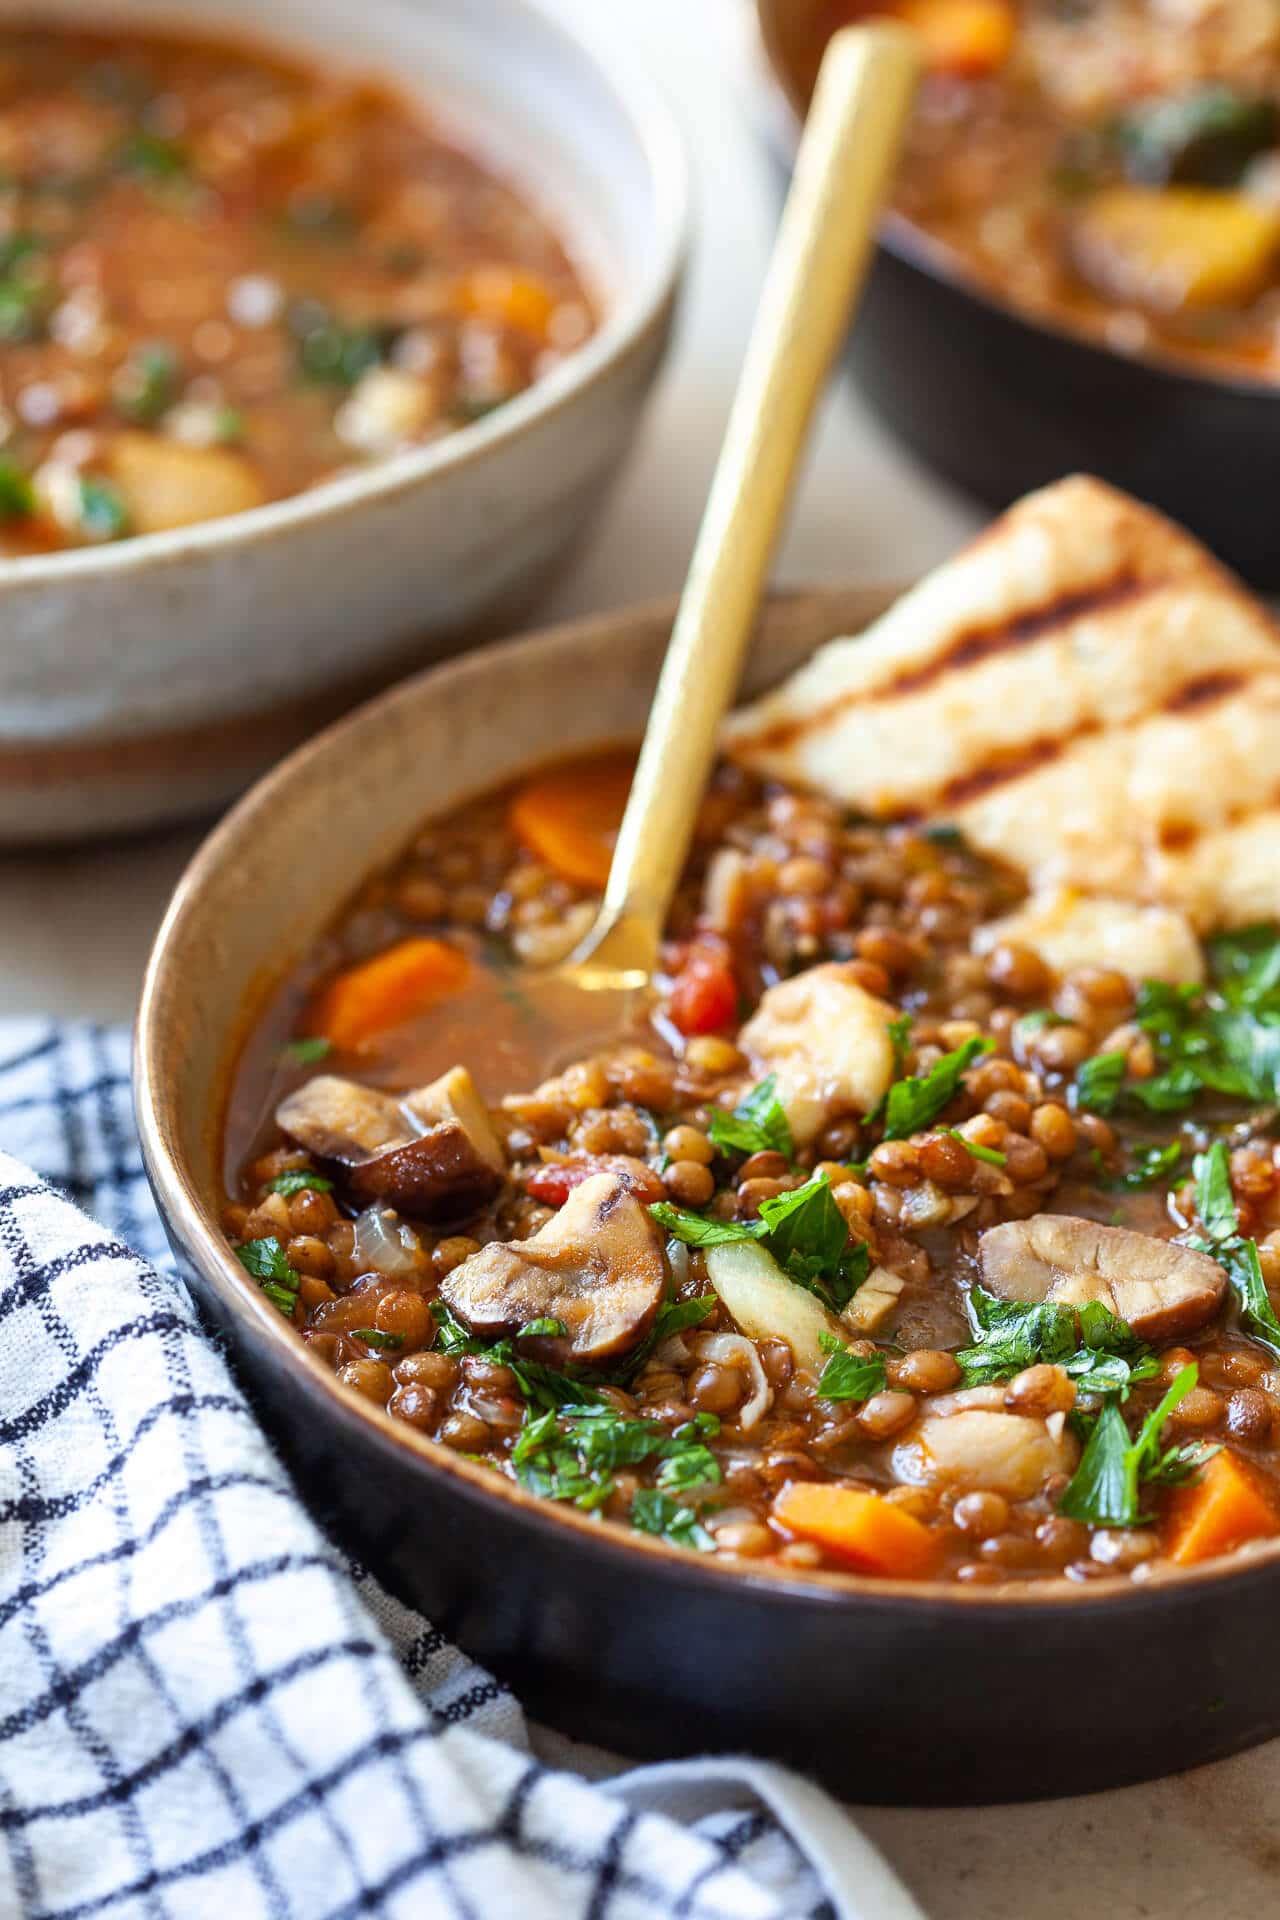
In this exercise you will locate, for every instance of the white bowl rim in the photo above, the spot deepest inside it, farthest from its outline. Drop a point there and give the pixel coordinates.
(659, 140)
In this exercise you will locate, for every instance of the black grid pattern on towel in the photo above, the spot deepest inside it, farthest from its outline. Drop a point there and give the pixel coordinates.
(204, 1709)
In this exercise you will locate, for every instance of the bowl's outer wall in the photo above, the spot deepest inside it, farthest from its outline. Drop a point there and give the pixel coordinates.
(153, 679)
(888, 1698)
(1000, 406)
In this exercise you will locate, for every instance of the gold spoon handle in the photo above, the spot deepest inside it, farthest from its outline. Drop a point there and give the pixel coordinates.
(842, 175)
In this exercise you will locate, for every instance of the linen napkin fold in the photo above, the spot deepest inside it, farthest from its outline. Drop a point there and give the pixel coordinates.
(205, 1709)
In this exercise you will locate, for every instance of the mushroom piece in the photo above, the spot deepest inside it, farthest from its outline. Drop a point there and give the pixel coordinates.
(597, 1267)
(1162, 1290)
(974, 1449)
(827, 1041)
(432, 1153)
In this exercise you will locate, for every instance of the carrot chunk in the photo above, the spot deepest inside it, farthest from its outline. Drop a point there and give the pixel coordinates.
(511, 298)
(570, 816)
(961, 36)
(868, 1532)
(380, 993)
(1229, 1504)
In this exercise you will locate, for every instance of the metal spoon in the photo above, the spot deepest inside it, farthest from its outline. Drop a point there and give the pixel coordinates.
(843, 169)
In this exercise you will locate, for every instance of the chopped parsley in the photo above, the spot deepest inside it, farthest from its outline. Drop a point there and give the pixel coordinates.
(1150, 1165)
(17, 495)
(573, 1453)
(1096, 1349)
(991, 1155)
(673, 1316)
(1107, 1486)
(375, 1337)
(1099, 1080)
(1216, 1207)
(147, 384)
(152, 158)
(653, 1511)
(299, 1180)
(759, 1125)
(1224, 1038)
(899, 1032)
(544, 1326)
(265, 1261)
(848, 1376)
(25, 287)
(330, 354)
(539, 1385)
(103, 514)
(305, 1053)
(804, 1231)
(917, 1101)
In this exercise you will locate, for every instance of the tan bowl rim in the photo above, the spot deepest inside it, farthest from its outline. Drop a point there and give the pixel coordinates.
(624, 330)
(177, 1195)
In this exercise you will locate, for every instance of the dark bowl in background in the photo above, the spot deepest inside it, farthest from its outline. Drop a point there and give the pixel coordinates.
(1000, 402)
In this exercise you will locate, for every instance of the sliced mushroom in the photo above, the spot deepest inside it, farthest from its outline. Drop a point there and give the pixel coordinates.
(1162, 1290)
(827, 1040)
(433, 1153)
(974, 1449)
(597, 1267)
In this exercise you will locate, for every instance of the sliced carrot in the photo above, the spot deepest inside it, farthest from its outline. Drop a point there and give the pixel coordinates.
(512, 299)
(961, 36)
(869, 1532)
(1229, 1504)
(380, 993)
(570, 816)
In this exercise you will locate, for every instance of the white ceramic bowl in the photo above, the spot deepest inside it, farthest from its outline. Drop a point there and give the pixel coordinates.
(151, 679)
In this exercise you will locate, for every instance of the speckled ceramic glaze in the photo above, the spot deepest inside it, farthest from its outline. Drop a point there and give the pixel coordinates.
(151, 679)
(890, 1691)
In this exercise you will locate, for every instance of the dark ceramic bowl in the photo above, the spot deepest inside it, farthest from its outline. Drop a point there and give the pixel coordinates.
(888, 1691)
(1001, 402)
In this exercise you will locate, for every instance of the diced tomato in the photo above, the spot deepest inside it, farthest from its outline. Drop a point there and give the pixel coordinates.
(704, 998)
(553, 1183)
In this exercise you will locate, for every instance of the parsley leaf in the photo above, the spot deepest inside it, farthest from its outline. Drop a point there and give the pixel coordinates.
(804, 1231)
(1098, 1350)
(573, 1453)
(299, 1180)
(1152, 1163)
(1106, 1488)
(899, 1032)
(673, 1316)
(265, 1260)
(917, 1101)
(848, 1376)
(305, 1053)
(653, 1511)
(990, 1155)
(17, 495)
(377, 1338)
(103, 514)
(540, 1385)
(1216, 1207)
(759, 1125)
(1099, 1080)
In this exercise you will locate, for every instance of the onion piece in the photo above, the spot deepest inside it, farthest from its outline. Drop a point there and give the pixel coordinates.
(383, 1241)
(735, 1350)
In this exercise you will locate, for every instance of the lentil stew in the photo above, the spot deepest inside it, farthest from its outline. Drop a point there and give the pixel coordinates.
(866, 1251)
(1111, 165)
(227, 276)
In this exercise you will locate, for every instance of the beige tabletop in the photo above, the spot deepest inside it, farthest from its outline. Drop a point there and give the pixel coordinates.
(75, 928)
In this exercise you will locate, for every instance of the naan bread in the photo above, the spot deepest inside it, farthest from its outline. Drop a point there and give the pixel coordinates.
(1084, 692)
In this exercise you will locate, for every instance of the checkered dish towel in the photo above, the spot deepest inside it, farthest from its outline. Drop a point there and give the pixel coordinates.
(204, 1709)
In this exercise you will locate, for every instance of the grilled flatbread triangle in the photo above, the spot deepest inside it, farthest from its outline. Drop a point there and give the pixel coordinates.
(1084, 692)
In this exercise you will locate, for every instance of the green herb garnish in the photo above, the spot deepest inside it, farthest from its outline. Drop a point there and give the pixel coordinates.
(265, 1260)
(804, 1231)
(1151, 1164)
(299, 1180)
(1106, 1488)
(103, 514)
(848, 1376)
(152, 158)
(545, 1325)
(17, 495)
(573, 1453)
(305, 1053)
(146, 385)
(1096, 1348)
(375, 1337)
(758, 1125)
(916, 1102)
(655, 1512)
(1099, 1080)
(1216, 1207)
(990, 1155)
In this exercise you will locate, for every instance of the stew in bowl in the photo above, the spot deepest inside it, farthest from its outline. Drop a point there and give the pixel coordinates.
(924, 1225)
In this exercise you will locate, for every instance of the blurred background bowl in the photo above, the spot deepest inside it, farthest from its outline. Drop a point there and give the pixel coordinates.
(149, 680)
(999, 402)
